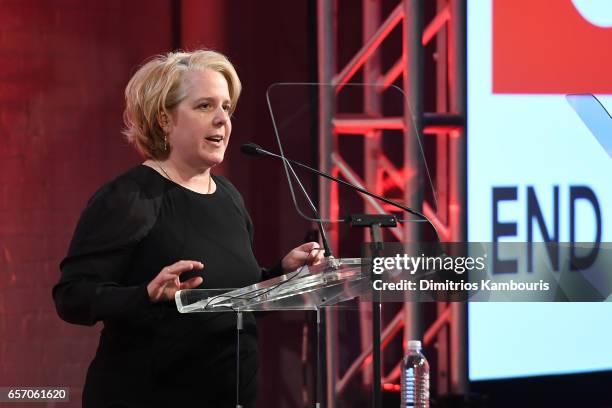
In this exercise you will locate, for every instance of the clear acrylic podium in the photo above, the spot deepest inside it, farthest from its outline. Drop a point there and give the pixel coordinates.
(328, 284)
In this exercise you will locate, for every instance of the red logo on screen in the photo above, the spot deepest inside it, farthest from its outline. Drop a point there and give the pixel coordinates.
(549, 47)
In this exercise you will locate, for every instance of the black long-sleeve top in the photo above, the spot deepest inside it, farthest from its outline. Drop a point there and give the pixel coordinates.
(133, 227)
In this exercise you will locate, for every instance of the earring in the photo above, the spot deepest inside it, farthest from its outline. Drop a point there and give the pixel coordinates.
(165, 143)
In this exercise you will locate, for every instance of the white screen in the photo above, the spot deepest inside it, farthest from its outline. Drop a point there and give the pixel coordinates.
(519, 140)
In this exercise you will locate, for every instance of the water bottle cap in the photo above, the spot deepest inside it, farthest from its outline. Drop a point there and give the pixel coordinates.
(414, 345)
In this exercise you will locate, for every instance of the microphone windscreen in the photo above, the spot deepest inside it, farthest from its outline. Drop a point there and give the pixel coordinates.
(250, 149)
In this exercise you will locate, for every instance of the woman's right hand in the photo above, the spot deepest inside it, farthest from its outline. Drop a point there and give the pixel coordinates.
(167, 283)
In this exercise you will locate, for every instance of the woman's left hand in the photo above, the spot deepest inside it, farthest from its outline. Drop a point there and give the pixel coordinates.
(306, 254)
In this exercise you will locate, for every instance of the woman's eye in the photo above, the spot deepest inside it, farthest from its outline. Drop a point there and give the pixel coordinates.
(204, 106)
(227, 108)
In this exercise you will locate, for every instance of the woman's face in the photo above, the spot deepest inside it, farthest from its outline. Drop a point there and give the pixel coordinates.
(200, 125)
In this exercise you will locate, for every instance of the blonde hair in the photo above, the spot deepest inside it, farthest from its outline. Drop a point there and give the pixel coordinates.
(157, 87)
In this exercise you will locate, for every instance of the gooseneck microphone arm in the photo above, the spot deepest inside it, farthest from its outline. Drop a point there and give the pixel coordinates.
(252, 150)
(256, 150)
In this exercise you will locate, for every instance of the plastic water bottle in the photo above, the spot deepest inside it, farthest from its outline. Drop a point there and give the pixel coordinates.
(415, 378)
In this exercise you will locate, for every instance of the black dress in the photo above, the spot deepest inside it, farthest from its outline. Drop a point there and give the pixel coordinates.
(149, 354)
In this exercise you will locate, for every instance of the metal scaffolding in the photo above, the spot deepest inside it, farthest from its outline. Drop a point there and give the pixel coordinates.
(447, 29)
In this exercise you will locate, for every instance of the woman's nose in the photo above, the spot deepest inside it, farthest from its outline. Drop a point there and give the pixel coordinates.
(221, 117)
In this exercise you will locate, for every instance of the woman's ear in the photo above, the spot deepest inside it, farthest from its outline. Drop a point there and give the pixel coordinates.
(165, 122)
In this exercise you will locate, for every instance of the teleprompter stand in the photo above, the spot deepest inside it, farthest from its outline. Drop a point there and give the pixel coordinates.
(375, 223)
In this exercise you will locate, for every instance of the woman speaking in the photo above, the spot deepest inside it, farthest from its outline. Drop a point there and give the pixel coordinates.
(165, 225)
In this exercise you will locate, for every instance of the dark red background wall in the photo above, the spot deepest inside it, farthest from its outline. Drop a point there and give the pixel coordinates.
(63, 67)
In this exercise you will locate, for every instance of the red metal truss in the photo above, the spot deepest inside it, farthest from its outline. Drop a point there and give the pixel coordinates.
(380, 174)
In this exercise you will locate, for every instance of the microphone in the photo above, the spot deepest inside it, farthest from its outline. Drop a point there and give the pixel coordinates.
(256, 150)
(253, 149)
